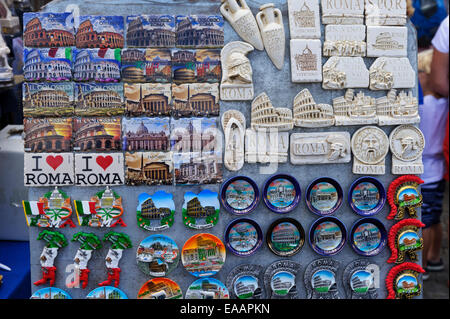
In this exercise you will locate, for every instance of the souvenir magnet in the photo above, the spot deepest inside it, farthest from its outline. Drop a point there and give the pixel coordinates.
(241, 18)
(359, 280)
(239, 195)
(157, 255)
(269, 146)
(233, 125)
(146, 65)
(337, 12)
(407, 143)
(208, 67)
(387, 41)
(99, 99)
(281, 193)
(101, 65)
(368, 236)
(47, 64)
(307, 113)
(402, 281)
(345, 72)
(207, 288)
(264, 116)
(306, 60)
(355, 109)
(119, 242)
(99, 169)
(304, 19)
(48, 134)
(183, 66)
(388, 13)
(148, 99)
(345, 40)
(97, 134)
(100, 32)
(396, 108)
(404, 196)
(54, 240)
(145, 134)
(104, 209)
(155, 212)
(327, 236)
(149, 168)
(324, 196)
(201, 211)
(243, 237)
(51, 210)
(203, 255)
(160, 288)
(150, 31)
(106, 292)
(245, 282)
(404, 240)
(197, 168)
(370, 146)
(199, 31)
(50, 293)
(321, 279)
(285, 237)
(48, 169)
(391, 73)
(89, 242)
(48, 29)
(280, 279)
(366, 196)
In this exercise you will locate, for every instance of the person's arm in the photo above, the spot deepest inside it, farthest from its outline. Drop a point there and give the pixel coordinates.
(439, 73)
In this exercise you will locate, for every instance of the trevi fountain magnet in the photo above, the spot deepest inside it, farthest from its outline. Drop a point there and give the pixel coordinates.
(200, 211)
(243, 237)
(270, 22)
(280, 279)
(404, 240)
(368, 237)
(157, 255)
(241, 18)
(207, 288)
(320, 279)
(233, 125)
(245, 282)
(281, 193)
(404, 197)
(239, 195)
(407, 143)
(237, 74)
(327, 236)
(370, 146)
(285, 237)
(324, 196)
(155, 212)
(359, 280)
(402, 281)
(366, 196)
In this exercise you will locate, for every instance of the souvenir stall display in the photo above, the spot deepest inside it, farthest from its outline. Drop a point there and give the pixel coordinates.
(236, 133)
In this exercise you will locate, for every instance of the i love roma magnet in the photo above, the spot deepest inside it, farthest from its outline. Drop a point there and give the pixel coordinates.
(48, 169)
(96, 169)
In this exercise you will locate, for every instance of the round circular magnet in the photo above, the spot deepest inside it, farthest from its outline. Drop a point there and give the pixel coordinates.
(368, 236)
(207, 288)
(243, 237)
(327, 236)
(157, 255)
(281, 193)
(366, 196)
(239, 195)
(285, 237)
(106, 292)
(50, 293)
(160, 288)
(324, 196)
(203, 255)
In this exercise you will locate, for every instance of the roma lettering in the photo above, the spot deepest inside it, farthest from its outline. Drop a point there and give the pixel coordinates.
(319, 148)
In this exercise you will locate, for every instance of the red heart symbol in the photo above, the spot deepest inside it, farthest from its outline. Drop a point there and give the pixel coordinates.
(54, 161)
(104, 161)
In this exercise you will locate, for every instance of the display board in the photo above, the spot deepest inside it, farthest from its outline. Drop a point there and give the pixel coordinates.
(278, 86)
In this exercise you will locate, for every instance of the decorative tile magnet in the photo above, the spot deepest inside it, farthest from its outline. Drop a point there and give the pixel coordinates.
(387, 41)
(239, 195)
(370, 146)
(233, 125)
(243, 237)
(99, 99)
(285, 237)
(320, 148)
(48, 29)
(104, 209)
(50, 293)
(307, 113)
(201, 211)
(245, 282)
(47, 99)
(281, 193)
(397, 108)
(402, 281)
(160, 288)
(355, 109)
(97, 134)
(366, 196)
(149, 168)
(199, 31)
(195, 99)
(368, 237)
(385, 12)
(404, 240)
(197, 168)
(327, 236)
(47, 64)
(404, 197)
(345, 72)
(51, 210)
(391, 73)
(208, 67)
(48, 169)
(100, 32)
(321, 279)
(266, 147)
(155, 212)
(203, 255)
(157, 255)
(99, 169)
(207, 288)
(306, 60)
(237, 81)
(183, 66)
(342, 12)
(148, 99)
(280, 279)
(101, 65)
(264, 116)
(304, 19)
(146, 65)
(106, 292)
(359, 280)
(407, 143)
(324, 196)
(345, 40)
(150, 31)
(145, 134)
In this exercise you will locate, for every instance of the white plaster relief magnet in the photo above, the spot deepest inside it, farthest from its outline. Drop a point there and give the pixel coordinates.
(306, 60)
(304, 19)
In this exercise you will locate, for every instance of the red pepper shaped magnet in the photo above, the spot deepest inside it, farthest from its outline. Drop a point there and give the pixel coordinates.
(402, 281)
(404, 196)
(404, 239)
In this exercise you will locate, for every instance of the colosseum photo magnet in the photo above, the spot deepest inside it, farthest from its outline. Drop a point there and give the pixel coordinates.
(146, 134)
(155, 212)
(156, 31)
(146, 65)
(47, 64)
(47, 99)
(101, 65)
(199, 31)
(48, 29)
(48, 135)
(148, 99)
(149, 168)
(201, 211)
(97, 134)
(100, 32)
(99, 99)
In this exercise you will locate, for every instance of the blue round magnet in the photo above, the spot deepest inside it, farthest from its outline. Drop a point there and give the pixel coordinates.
(368, 236)
(324, 196)
(366, 196)
(281, 193)
(327, 236)
(239, 195)
(243, 237)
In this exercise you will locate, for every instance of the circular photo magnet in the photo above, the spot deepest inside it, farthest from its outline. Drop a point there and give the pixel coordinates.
(327, 236)
(50, 293)
(157, 255)
(106, 292)
(160, 288)
(366, 196)
(285, 237)
(324, 196)
(207, 288)
(239, 195)
(368, 237)
(281, 193)
(243, 237)
(203, 255)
